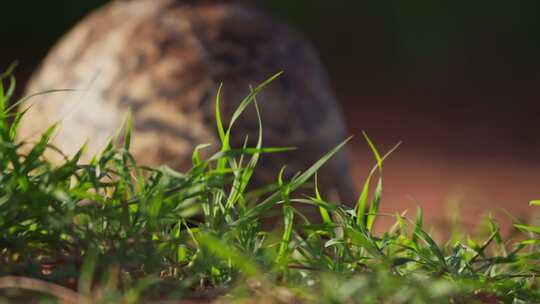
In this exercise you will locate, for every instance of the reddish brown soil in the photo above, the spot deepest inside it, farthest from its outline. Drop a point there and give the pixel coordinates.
(414, 178)
(453, 152)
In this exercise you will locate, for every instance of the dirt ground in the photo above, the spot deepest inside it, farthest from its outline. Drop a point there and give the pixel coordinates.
(456, 150)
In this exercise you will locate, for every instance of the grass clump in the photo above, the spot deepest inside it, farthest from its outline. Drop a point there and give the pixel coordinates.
(112, 231)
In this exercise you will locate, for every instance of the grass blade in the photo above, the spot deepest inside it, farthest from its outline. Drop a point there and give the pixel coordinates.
(294, 184)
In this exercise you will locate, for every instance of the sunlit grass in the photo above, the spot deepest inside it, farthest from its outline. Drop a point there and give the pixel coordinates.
(112, 231)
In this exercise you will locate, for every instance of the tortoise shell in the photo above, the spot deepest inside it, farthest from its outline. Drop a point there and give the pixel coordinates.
(164, 60)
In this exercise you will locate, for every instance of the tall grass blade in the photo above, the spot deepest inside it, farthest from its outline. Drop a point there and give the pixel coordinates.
(294, 184)
(361, 204)
(374, 207)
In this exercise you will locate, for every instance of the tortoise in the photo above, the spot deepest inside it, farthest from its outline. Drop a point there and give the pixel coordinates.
(164, 60)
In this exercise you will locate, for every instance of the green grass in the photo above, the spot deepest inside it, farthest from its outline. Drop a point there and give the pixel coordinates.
(112, 231)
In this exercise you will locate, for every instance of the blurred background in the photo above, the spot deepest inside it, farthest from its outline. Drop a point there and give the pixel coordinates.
(456, 81)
